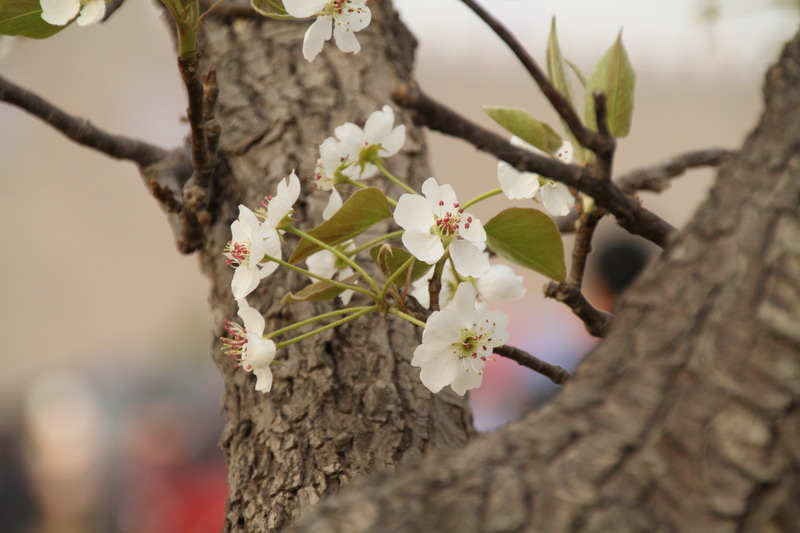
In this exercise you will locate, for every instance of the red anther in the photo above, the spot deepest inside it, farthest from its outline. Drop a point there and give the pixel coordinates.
(441, 202)
(455, 205)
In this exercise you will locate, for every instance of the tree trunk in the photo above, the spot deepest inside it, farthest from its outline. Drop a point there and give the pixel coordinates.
(344, 402)
(685, 419)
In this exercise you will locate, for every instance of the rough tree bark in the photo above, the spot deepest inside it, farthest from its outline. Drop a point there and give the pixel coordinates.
(686, 418)
(345, 402)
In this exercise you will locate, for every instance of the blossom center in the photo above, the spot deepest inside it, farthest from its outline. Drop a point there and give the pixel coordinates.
(449, 224)
(236, 253)
(337, 8)
(235, 345)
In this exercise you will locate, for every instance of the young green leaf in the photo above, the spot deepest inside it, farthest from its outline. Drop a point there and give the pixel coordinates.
(529, 238)
(270, 9)
(555, 65)
(557, 72)
(321, 290)
(358, 213)
(527, 128)
(615, 77)
(389, 259)
(24, 18)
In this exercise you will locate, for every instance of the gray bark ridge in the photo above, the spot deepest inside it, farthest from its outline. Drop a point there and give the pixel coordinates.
(345, 402)
(685, 419)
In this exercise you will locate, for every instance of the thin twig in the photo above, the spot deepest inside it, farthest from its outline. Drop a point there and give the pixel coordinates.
(194, 89)
(630, 215)
(595, 141)
(595, 321)
(80, 130)
(555, 373)
(656, 178)
(583, 246)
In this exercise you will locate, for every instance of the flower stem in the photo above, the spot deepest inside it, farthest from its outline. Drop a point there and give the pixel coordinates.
(396, 274)
(375, 241)
(379, 163)
(329, 314)
(339, 322)
(409, 318)
(318, 277)
(484, 196)
(338, 253)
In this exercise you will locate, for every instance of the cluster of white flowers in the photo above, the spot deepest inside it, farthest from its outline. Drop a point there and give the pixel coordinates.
(517, 185)
(254, 235)
(352, 152)
(61, 12)
(338, 18)
(459, 339)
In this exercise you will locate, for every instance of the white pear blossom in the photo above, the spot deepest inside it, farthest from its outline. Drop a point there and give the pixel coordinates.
(326, 264)
(340, 18)
(457, 341)
(330, 166)
(248, 347)
(61, 12)
(435, 224)
(379, 138)
(500, 284)
(255, 234)
(521, 185)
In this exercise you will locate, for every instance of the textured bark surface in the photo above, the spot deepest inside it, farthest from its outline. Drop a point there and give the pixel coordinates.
(342, 403)
(685, 419)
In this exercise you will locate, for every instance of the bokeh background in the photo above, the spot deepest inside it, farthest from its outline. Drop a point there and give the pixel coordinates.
(108, 396)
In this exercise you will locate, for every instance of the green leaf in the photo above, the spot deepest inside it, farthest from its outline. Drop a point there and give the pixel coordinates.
(577, 71)
(358, 213)
(527, 128)
(24, 18)
(555, 65)
(529, 238)
(270, 9)
(615, 77)
(389, 258)
(321, 290)
(557, 72)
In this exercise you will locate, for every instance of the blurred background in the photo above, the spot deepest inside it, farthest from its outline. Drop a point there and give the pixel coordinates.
(109, 414)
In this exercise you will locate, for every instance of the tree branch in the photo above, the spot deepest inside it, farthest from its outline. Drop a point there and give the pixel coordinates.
(595, 321)
(555, 373)
(630, 215)
(596, 142)
(656, 178)
(80, 130)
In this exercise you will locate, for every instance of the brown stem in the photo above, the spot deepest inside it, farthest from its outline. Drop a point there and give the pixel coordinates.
(630, 215)
(596, 142)
(80, 130)
(595, 321)
(555, 373)
(656, 178)
(583, 245)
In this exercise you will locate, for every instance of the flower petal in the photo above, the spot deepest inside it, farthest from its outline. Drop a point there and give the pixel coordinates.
(252, 318)
(351, 139)
(315, 37)
(59, 12)
(92, 12)
(501, 284)
(468, 259)
(322, 263)
(334, 203)
(360, 17)
(263, 379)
(554, 201)
(345, 38)
(392, 144)
(413, 212)
(475, 232)
(245, 280)
(463, 304)
(516, 185)
(439, 369)
(379, 125)
(304, 8)
(468, 379)
(423, 245)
